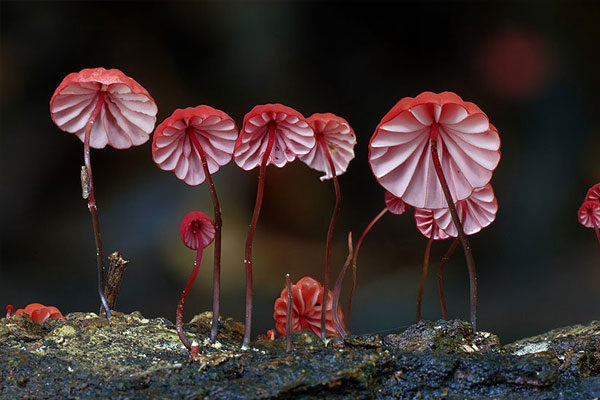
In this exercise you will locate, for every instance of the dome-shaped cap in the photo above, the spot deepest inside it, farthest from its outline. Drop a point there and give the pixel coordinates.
(400, 149)
(293, 136)
(197, 230)
(128, 112)
(475, 212)
(173, 148)
(340, 140)
(394, 204)
(589, 214)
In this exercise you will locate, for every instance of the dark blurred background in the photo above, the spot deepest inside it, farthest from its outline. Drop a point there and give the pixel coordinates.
(531, 66)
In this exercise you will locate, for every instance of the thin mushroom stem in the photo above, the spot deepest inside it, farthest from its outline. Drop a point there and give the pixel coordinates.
(217, 250)
(288, 324)
(597, 233)
(355, 257)
(250, 238)
(338, 289)
(334, 216)
(443, 262)
(89, 191)
(184, 295)
(461, 234)
(424, 275)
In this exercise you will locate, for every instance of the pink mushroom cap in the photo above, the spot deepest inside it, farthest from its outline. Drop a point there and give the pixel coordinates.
(340, 140)
(594, 193)
(475, 212)
(197, 230)
(127, 116)
(293, 136)
(589, 214)
(394, 204)
(173, 149)
(400, 149)
(426, 224)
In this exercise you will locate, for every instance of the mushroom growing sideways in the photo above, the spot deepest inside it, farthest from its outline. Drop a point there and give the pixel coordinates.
(593, 193)
(589, 216)
(197, 231)
(40, 313)
(102, 107)
(434, 150)
(271, 134)
(307, 298)
(332, 154)
(394, 205)
(194, 143)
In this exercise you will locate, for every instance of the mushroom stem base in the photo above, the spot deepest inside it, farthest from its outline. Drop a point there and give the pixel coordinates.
(423, 277)
(443, 262)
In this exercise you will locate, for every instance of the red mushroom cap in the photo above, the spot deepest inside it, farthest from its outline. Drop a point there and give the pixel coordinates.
(197, 230)
(394, 204)
(427, 223)
(293, 136)
(173, 149)
(127, 116)
(340, 140)
(594, 193)
(589, 214)
(400, 155)
(307, 295)
(40, 313)
(475, 212)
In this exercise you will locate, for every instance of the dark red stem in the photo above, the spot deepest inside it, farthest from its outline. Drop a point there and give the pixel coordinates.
(336, 212)
(217, 250)
(461, 234)
(184, 295)
(288, 324)
(424, 276)
(597, 233)
(338, 290)
(443, 262)
(355, 257)
(92, 202)
(250, 238)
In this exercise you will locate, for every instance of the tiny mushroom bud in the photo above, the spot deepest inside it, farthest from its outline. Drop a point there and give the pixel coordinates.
(332, 154)
(194, 143)
(271, 134)
(102, 107)
(9, 310)
(197, 231)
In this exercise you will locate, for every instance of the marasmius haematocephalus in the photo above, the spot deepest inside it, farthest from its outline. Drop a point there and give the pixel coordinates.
(40, 313)
(194, 143)
(271, 134)
(476, 212)
(589, 212)
(307, 301)
(102, 107)
(394, 205)
(197, 231)
(434, 150)
(332, 154)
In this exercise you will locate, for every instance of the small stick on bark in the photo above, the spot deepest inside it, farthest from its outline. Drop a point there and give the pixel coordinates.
(288, 325)
(116, 269)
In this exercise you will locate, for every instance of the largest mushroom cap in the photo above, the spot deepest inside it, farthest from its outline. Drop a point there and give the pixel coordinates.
(293, 136)
(400, 149)
(127, 116)
(339, 139)
(173, 149)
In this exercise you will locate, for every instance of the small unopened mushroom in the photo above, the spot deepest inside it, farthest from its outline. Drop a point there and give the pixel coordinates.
(271, 134)
(194, 143)
(102, 107)
(197, 231)
(332, 154)
(9, 310)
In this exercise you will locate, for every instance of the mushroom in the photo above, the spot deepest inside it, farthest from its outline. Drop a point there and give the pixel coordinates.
(589, 216)
(434, 150)
(396, 206)
(102, 107)
(307, 300)
(427, 225)
(9, 310)
(271, 134)
(40, 313)
(194, 143)
(476, 212)
(594, 193)
(197, 231)
(332, 154)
